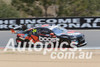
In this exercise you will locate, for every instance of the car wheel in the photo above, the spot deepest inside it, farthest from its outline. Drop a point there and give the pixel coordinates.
(64, 45)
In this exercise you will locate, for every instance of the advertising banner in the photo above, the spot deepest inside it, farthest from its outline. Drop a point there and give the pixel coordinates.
(68, 22)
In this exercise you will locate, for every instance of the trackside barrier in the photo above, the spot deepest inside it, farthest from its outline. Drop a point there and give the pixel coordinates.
(66, 22)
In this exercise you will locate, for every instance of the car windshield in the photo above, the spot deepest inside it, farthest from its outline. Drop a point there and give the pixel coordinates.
(59, 30)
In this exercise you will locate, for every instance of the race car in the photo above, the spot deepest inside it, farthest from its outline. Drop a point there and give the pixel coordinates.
(64, 35)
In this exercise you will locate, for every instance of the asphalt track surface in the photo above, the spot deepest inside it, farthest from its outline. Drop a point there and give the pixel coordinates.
(91, 36)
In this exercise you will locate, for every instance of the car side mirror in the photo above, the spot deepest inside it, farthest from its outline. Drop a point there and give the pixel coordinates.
(52, 34)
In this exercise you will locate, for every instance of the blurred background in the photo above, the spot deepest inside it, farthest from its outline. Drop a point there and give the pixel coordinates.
(48, 8)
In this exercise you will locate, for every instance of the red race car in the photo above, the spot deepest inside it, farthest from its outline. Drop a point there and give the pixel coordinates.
(64, 35)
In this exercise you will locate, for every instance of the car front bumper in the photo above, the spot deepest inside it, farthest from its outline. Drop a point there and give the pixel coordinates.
(82, 44)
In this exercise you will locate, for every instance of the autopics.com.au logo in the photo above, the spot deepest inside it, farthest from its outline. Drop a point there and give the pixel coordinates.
(55, 52)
